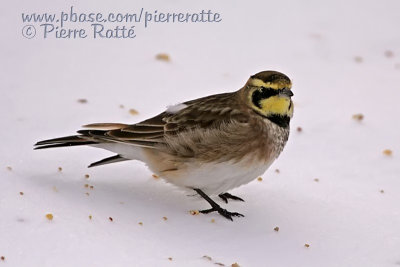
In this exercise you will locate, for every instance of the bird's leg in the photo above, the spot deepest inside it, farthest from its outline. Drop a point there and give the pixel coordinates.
(225, 197)
(216, 207)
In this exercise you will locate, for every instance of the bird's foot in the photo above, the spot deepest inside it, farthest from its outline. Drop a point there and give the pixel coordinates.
(223, 212)
(225, 197)
(216, 207)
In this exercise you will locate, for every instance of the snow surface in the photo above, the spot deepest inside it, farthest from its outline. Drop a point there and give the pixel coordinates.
(344, 217)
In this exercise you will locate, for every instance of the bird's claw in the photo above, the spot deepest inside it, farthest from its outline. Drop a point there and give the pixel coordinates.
(223, 212)
(226, 196)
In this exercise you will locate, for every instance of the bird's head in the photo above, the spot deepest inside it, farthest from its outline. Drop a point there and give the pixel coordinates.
(269, 94)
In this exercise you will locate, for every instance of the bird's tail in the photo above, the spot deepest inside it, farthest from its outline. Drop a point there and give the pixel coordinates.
(73, 140)
(98, 136)
(77, 140)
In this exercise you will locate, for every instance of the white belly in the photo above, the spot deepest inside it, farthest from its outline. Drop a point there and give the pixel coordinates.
(212, 178)
(215, 178)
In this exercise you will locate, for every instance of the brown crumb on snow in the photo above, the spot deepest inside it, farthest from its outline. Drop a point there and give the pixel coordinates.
(235, 265)
(21, 193)
(216, 263)
(316, 180)
(165, 218)
(163, 57)
(259, 179)
(382, 191)
(170, 258)
(358, 117)
(133, 111)
(207, 257)
(89, 186)
(194, 212)
(155, 176)
(55, 189)
(389, 54)
(59, 169)
(82, 101)
(277, 171)
(87, 176)
(140, 223)
(387, 152)
(90, 217)
(358, 59)
(276, 229)
(213, 220)
(121, 106)
(2, 258)
(111, 219)
(307, 245)
(87, 193)
(299, 129)
(9, 168)
(49, 216)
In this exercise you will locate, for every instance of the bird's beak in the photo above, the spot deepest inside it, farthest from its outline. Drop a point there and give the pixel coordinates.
(286, 92)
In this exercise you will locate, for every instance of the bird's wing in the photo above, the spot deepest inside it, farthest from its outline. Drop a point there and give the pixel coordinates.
(207, 112)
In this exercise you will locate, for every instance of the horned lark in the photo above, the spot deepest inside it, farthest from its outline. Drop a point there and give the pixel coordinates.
(209, 145)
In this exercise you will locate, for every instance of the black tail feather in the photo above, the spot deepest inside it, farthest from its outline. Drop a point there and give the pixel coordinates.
(116, 158)
(74, 140)
(65, 145)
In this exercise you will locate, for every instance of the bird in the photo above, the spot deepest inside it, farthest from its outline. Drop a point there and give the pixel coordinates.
(208, 145)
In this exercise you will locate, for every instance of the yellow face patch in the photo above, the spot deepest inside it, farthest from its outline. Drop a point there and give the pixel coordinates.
(276, 105)
(276, 85)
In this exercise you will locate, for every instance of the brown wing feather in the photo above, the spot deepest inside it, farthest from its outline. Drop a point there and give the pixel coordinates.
(123, 135)
(105, 126)
(206, 112)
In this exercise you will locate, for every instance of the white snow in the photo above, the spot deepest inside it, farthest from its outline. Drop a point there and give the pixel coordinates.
(336, 53)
